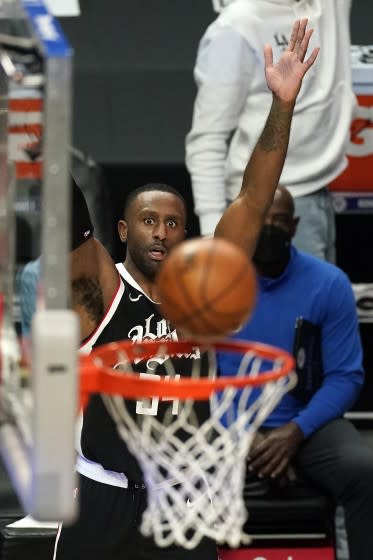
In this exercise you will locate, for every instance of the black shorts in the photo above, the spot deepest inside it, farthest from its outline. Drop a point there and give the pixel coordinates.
(108, 529)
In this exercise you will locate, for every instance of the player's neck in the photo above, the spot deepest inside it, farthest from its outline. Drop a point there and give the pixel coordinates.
(146, 284)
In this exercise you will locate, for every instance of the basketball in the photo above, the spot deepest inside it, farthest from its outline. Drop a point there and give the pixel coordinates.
(207, 287)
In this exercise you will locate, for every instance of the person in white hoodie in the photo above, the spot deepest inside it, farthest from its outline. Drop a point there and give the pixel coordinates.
(233, 100)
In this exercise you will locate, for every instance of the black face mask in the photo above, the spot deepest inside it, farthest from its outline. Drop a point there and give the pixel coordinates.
(273, 248)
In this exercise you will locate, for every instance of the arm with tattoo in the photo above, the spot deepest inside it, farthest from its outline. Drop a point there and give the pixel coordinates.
(94, 277)
(243, 219)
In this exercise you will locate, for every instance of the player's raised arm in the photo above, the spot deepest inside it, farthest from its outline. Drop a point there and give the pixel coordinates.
(94, 277)
(243, 219)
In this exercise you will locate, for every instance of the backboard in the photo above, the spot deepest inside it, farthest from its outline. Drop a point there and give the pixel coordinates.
(38, 401)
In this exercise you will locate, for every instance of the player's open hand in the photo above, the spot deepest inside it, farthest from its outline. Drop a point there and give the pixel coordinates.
(285, 78)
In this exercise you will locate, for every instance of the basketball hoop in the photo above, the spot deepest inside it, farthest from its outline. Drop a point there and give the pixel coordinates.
(194, 467)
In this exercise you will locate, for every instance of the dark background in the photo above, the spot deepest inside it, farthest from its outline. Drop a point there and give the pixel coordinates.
(134, 87)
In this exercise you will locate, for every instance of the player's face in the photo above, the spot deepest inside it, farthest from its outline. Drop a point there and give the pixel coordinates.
(156, 223)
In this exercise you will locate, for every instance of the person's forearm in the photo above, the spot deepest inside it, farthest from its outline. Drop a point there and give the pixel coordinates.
(224, 70)
(263, 171)
(331, 401)
(244, 217)
(206, 155)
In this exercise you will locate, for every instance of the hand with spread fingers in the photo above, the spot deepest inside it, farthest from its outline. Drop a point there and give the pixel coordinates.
(285, 77)
(270, 455)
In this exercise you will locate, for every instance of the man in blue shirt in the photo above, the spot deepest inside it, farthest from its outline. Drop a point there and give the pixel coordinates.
(309, 429)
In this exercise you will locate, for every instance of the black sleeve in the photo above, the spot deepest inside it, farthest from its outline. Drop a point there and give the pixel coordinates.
(82, 227)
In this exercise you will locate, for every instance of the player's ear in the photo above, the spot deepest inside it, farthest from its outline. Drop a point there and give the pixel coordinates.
(122, 230)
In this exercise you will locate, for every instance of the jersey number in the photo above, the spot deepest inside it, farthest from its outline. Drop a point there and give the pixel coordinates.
(150, 406)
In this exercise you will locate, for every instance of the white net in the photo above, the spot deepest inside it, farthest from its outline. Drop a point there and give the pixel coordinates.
(194, 468)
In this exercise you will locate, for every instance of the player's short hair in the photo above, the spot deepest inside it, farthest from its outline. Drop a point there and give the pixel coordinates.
(149, 187)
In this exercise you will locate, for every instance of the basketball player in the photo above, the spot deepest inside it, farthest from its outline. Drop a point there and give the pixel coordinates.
(112, 491)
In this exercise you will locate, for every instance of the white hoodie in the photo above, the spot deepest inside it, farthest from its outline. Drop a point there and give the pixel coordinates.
(233, 100)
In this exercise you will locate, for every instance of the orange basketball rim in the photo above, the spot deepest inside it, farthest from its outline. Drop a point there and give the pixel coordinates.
(97, 373)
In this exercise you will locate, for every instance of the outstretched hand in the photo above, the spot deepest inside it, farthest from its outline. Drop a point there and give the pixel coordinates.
(285, 77)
